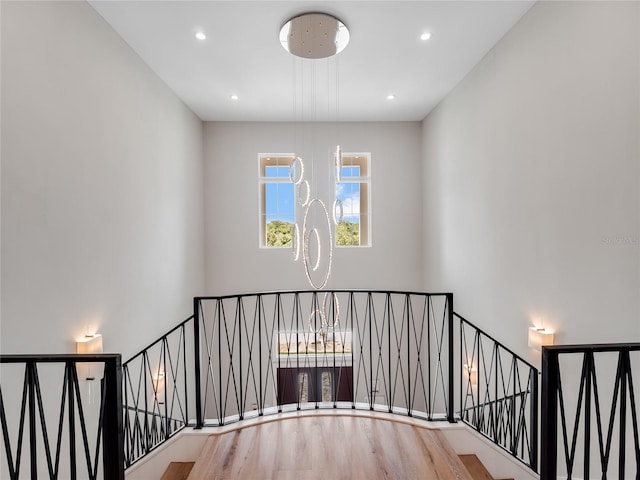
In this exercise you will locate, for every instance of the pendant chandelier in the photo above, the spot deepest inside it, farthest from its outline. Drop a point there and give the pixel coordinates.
(311, 37)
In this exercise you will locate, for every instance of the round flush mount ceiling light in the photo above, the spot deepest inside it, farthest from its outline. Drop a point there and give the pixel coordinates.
(234, 97)
(314, 35)
(425, 36)
(391, 97)
(201, 36)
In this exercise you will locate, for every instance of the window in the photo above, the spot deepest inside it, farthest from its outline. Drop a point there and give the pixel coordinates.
(352, 210)
(277, 201)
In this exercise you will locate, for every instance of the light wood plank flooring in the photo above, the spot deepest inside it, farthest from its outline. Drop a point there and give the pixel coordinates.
(329, 447)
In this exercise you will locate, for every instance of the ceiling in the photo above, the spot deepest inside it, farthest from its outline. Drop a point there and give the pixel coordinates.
(242, 55)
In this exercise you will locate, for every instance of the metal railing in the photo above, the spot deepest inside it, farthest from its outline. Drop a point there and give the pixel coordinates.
(265, 353)
(499, 393)
(395, 345)
(70, 438)
(590, 419)
(156, 386)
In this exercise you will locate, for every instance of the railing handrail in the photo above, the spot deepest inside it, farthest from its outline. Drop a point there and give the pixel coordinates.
(498, 342)
(58, 357)
(596, 347)
(159, 339)
(327, 290)
(553, 408)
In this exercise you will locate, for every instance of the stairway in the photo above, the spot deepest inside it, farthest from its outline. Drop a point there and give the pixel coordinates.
(476, 468)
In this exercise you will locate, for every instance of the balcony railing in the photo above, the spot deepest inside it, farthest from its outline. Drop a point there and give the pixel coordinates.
(53, 425)
(499, 393)
(590, 412)
(399, 352)
(157, 384)
(394, 346)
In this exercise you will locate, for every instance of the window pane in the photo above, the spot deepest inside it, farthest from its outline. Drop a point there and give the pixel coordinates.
(348, 234)
(348, 230)
(279, 201)
(349, 193)
(271, 202)
(279, 233)
(351, 171)
(276, 172)
(353, 192)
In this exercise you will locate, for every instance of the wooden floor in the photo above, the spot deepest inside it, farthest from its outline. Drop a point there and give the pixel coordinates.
(329, 447)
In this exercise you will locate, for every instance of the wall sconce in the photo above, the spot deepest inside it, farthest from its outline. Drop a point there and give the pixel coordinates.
(471, 374)
(539, 337)
(89, 345)
(158, 387)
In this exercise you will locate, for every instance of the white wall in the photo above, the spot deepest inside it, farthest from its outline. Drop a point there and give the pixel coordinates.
(532, 179)
(101, 186)
(234, 261)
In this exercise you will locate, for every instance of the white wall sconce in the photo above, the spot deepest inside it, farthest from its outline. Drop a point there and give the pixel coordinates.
(539, 337)
(89, 345)
(157, 393)
(471, 374)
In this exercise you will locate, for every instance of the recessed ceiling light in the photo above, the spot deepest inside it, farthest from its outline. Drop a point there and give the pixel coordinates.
(201, 36)
(391, 97)
(234, 97)
(425, 36)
